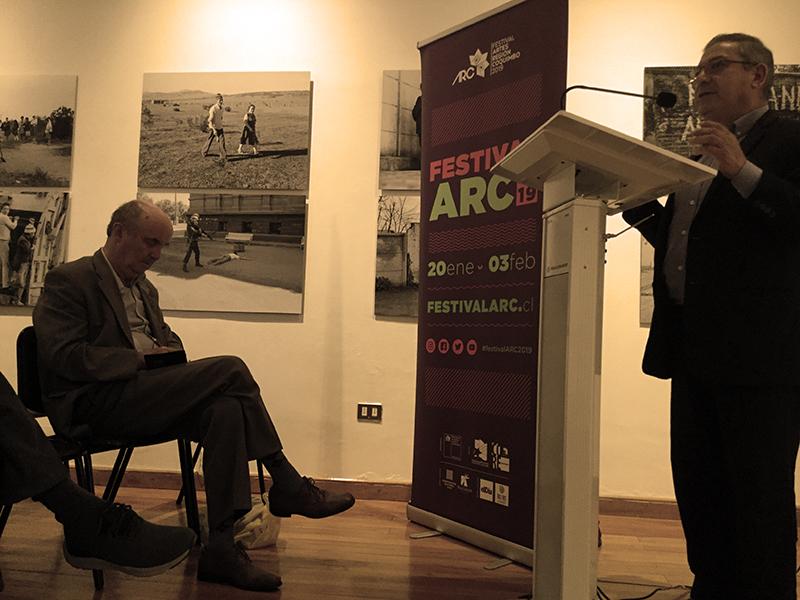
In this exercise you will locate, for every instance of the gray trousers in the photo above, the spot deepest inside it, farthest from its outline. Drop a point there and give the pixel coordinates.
(214, 401)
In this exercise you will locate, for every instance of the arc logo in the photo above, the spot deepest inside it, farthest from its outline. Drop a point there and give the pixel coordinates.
(478, 63)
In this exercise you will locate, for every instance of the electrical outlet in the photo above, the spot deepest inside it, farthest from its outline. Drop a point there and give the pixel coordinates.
(370, 411)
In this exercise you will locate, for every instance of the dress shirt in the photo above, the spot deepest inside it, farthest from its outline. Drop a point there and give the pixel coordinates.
(688, 201)
(134, 310)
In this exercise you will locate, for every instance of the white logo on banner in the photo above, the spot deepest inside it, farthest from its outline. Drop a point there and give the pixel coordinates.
(478, 64)
(500, 53)
(501, 494)
(487, 490)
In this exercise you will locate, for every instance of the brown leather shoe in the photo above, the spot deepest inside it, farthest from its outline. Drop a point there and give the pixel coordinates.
(230, 565)
(309, 501)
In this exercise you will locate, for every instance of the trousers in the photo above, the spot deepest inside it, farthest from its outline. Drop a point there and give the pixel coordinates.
(214, 401)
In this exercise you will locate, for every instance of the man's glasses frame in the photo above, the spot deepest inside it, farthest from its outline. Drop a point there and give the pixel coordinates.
(715, 67)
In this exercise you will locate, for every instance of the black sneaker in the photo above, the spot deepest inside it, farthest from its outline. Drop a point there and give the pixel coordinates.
(122, 540)
(309, 501)
(229, 564)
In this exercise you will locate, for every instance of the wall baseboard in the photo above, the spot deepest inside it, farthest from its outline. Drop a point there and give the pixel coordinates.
(172, 481)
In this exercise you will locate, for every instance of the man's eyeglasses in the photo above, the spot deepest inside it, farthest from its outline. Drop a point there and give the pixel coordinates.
(715, 67)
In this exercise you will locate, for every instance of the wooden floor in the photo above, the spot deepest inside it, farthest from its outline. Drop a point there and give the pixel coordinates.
(363, 554)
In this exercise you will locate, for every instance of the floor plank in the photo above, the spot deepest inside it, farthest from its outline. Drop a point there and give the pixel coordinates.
(363, 554)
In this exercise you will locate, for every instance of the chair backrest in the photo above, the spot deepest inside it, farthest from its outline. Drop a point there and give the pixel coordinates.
(28, 388)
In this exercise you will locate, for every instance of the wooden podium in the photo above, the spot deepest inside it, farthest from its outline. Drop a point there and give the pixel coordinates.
(586, 171)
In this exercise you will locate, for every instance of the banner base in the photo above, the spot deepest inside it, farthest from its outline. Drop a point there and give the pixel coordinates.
(481, 539)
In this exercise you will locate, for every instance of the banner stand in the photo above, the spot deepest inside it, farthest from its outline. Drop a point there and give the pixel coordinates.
(473, 536)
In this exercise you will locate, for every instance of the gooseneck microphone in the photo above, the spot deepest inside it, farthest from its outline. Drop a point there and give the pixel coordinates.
(663, 99)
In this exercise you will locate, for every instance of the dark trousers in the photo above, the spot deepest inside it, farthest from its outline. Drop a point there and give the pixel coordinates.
(28, 463)
(733, 457)
(219, 135)
(214, 401)
(193, 247)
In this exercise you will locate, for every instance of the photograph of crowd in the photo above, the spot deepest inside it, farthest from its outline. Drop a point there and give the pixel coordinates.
(37, 116)
(233, 131)
(401, 130)
(241, 253)
(397, 257)
(32, 241)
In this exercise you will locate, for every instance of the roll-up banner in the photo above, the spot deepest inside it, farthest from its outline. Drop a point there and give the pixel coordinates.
(486, 86)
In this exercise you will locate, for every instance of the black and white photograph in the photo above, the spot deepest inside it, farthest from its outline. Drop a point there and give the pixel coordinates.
(232, 131)
(241, 253)
(401, 131)
(397, 257)
(33, 240)
(37, 117)
(669, 128)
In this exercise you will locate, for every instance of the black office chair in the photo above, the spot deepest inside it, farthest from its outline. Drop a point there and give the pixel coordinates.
(80, 451)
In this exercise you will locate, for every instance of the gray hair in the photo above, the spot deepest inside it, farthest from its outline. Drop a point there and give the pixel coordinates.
(127, 215)
(751, 49)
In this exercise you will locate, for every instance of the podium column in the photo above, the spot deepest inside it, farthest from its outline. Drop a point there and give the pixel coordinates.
(568, 420)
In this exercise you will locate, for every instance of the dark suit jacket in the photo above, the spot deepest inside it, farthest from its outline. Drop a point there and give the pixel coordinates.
(83, 335)
(741, 313)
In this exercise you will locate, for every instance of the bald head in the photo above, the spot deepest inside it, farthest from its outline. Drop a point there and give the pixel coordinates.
(137, 232)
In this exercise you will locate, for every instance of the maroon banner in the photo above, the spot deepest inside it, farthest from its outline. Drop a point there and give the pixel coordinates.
(485, 88)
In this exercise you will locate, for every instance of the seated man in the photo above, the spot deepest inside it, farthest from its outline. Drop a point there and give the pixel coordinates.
(97, 318)
(97, 534)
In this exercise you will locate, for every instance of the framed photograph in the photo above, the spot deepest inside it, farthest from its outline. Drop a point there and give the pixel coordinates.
(242, 253)
(231, 131)
(33, 240)
(401, 128)
(37, 118)
(669, 128)
(397, 256)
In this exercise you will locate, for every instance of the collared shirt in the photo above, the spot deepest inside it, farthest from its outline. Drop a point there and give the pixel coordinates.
(134, 309)
(688, 201)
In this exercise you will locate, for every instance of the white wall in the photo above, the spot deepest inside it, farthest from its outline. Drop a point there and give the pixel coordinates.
(313, 373)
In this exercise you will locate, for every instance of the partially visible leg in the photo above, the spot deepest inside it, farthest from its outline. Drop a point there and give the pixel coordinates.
(97, 535)
(703, 496)
(760, 429)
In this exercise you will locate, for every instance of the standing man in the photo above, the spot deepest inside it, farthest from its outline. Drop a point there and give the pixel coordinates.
(726, 330)
(22, 260)
(7, 225)
(215, 131)
(193, 234)
(99, 317)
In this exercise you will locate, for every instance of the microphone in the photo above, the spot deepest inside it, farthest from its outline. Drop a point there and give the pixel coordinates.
(663, 99)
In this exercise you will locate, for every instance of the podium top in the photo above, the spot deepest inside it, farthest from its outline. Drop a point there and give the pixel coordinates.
(610, 166)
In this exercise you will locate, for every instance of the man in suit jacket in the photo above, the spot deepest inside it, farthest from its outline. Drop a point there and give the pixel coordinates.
(726, 329)
(96, 320)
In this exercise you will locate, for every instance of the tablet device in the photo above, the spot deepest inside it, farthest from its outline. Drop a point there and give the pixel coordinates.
(165, 359)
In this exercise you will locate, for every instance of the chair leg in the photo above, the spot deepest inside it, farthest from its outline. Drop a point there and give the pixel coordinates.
(187, 475)
(80, 472)
(5, 511)
(195, 456)
(117, 473)
(88, 472)
(261, 485)
(83, 473)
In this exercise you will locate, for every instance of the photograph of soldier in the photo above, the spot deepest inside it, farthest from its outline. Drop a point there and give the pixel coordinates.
(193, 234)
(250, 247)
